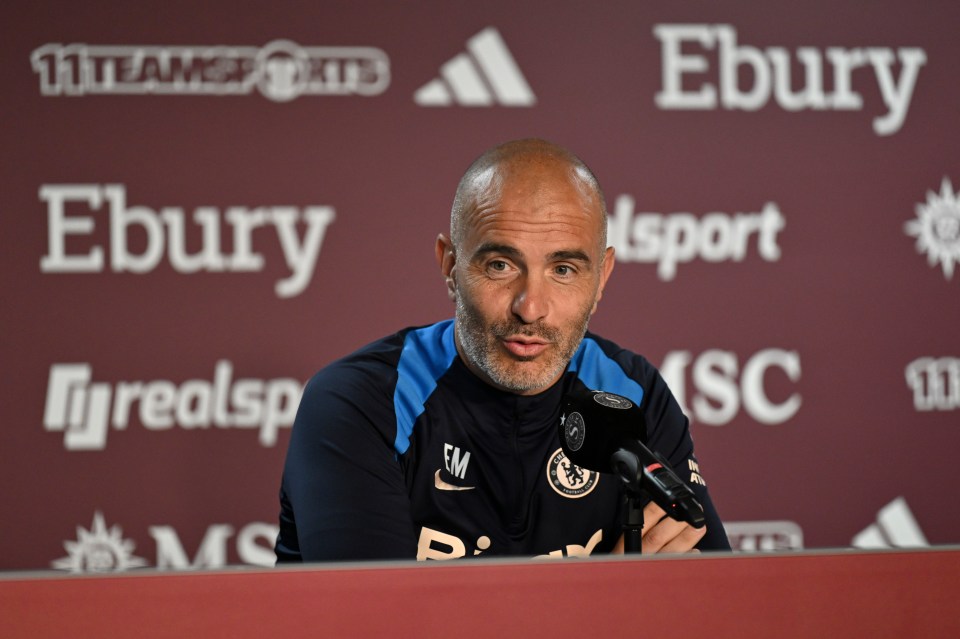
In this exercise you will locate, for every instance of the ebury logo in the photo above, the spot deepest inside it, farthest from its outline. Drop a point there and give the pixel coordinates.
(722, 385)
(937, 228)
(100, 550)
(935, 382)
(669, 240)
(693, 80)
(280, 71)
(299, 231)
(485, 75)
(84, 410)
(896, 527)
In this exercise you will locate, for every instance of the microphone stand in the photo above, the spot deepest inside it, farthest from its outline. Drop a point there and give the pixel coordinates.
(626, 465)
(632, 522)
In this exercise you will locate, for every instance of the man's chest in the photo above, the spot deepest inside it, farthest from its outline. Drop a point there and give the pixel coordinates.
(504, 487)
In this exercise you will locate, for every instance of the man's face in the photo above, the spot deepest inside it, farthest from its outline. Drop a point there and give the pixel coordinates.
(527, 276)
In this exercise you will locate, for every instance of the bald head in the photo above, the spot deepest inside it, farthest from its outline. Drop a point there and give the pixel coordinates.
(486, 176)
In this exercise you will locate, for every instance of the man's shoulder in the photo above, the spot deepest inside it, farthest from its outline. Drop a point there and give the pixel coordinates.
(372, 357)
(383, 384)
(597, 347)
(377, 363)
(601, 364)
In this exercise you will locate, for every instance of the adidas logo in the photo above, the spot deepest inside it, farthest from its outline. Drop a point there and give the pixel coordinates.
(895, 528)
(484, 75)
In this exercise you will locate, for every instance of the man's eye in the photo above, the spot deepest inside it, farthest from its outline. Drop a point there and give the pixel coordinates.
(498, 265)
(563, 270)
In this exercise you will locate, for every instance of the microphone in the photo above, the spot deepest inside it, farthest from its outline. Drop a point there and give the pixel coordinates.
(606, 432)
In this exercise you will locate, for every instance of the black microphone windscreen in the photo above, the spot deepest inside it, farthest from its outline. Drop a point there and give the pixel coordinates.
(594, 424)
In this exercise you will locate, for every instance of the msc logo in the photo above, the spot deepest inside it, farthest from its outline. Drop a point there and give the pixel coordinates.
(281, 70)
(101, 550)
(84, 411)
(487, 74)
(937, 228)
(722, 387)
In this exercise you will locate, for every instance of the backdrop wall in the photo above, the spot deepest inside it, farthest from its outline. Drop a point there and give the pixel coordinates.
(203, 206)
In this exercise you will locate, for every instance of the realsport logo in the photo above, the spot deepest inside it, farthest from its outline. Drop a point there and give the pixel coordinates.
(281, 70)
(485, 75)
(166, 230)
(669, 240)
(84, 411)
(770, 70)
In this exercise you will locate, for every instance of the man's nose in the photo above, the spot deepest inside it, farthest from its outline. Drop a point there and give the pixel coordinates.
(530, 301)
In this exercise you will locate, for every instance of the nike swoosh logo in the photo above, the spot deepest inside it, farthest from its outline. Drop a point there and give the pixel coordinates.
(442, 485)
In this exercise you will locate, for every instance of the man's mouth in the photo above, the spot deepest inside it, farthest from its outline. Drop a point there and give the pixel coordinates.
(524, 346)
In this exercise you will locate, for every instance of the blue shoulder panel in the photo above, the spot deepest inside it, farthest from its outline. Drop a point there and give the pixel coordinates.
(427, 354)
(598, 371)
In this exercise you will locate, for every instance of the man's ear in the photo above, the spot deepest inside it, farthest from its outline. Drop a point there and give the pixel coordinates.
(446, 260)
(606, 268)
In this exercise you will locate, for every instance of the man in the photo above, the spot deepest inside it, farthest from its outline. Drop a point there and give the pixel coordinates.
(442, 441)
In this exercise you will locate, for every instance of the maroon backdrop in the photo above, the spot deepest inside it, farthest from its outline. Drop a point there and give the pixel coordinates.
(203, 206)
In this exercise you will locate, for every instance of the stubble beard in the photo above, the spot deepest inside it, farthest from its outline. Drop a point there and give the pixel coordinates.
(480, 344)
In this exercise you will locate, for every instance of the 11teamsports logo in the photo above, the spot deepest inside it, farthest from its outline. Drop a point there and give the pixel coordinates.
(935, 382)
(281, 70)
